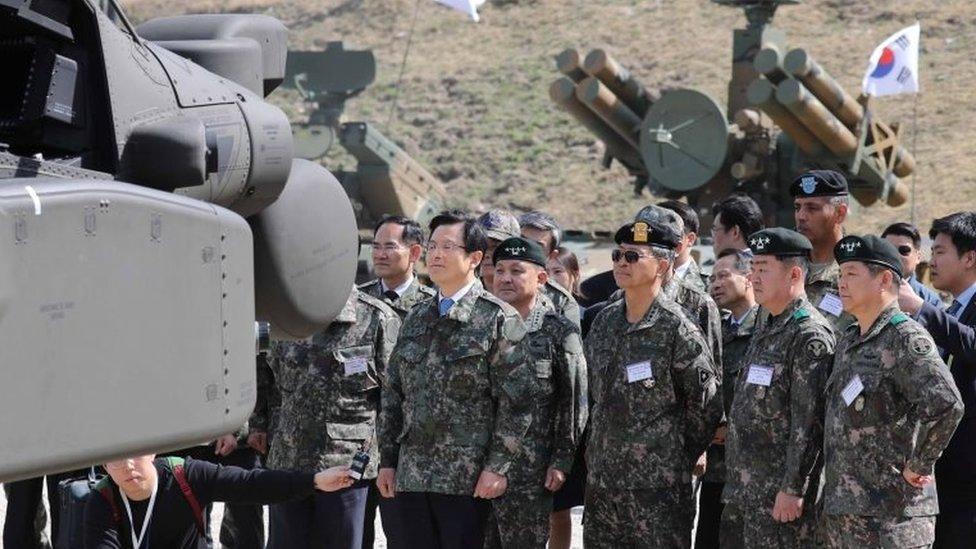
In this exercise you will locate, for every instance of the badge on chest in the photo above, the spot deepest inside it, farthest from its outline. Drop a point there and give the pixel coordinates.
(831, 304)
(641, 372)
(759, 374)
(356, 365)
(852, 393)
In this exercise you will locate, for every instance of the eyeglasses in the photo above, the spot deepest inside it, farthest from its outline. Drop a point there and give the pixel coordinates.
(630, 256)
(389, 247)
(446, 247)
(904, 249)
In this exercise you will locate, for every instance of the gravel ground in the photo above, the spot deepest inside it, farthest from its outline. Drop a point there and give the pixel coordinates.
(380, 543)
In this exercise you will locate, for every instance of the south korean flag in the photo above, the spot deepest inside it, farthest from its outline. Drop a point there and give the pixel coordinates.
(893, 68)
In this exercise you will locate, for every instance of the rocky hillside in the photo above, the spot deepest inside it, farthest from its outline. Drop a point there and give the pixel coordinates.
(473, 103)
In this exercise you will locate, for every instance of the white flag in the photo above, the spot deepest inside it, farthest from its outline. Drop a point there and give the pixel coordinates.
(469, 7)
(894, 64)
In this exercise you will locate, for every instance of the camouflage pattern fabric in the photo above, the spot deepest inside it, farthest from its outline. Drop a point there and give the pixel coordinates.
(553, 353)
(414, 294)
(702, 311)
(735, 341)
(846, 531)
(775, 431)
(891, 403)
(658, 425)
(327, 389)
(755, 528)
(822, 280)
(563, 302)
(693, 277)
(655, 518)
(456, 401)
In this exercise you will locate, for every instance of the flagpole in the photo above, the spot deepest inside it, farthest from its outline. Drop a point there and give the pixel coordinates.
(403, 65)
(914, 140)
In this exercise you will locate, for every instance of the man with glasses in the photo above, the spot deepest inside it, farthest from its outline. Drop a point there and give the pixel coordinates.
(456, 404)
(774, 423)
(905, 238)
(655, 401)
(397, 246)
(735, 218)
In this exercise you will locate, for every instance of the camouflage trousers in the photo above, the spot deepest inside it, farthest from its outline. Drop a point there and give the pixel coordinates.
(747, 528)
(519, 520)
(844, 531)
(645, 519)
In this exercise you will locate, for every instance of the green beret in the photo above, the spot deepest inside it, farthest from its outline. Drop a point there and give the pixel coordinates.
(643, 233)
(868, 249)
(779, 242)
(521, 249)
(667, 220)
(819, 183)
(499, 224)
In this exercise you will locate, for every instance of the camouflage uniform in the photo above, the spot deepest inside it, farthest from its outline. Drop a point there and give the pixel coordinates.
(822, 280)
(553, 351)
(702, 311)
(735, 342)
(904, 416)
(775, 430)
(693, 276)
(563, 301)
(455, 403)
(414, 294)
(645, 436)
(326, 389)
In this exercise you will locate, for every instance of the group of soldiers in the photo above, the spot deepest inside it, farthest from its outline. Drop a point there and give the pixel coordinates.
(794, 398)
(809, 410)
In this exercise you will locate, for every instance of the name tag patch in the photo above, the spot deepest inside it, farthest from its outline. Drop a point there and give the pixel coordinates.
(356, 365)
(852, 390)
(639, 371)
(759, 375)
(832, 304)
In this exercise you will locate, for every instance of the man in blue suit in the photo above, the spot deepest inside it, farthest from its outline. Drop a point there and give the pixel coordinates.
(954, 331)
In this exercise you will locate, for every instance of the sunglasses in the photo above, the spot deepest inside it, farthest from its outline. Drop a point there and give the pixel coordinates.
(630, 256)
(904, 250)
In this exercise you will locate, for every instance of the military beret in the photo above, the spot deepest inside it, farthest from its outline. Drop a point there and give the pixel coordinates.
(819, 183)
(521, 249)
(645, 233)
(779, 242)
(868, 249)
(499, 224)
(667, 220)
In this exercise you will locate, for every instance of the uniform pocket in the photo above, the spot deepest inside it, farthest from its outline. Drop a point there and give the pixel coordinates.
(357, 369)
(349, 431)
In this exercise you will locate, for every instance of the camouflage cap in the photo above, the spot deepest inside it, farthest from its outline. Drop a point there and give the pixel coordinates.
(665, 220)
(819, 183)
(499, 224)
(868, 249)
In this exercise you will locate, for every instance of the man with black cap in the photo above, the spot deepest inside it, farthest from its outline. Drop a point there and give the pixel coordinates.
(655, 402)
(542, 228)
(552, 354)
(820, 205)
(774, 428)
(891, 409)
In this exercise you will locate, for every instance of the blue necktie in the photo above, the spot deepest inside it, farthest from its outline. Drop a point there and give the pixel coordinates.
(954, 308)
(445, 305)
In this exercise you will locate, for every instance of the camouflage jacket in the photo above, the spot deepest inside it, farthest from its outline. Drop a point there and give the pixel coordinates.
(415, 293)
(821, 281)
(702, 311)
(456, 401)
(563, 302)
(648, 433)
(325, 389)
(735, 341)
(904, 415)
(552, 351)
(693, 276)
(775, 430)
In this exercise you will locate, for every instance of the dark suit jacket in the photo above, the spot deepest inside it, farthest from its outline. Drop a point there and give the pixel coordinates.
(955, 472)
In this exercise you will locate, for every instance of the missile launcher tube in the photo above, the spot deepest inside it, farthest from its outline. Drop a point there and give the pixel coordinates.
(563, 94)
(600, 64)
(800, 65)
(816, 117)
(592, 93)
(761, 93)
(569, 63)
(769, 62)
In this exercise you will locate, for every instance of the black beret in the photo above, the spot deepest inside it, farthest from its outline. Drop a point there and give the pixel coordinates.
(521, 249)
(779, 242)
(819, 183)
(868, 249)
(667, 220)
(643, 233)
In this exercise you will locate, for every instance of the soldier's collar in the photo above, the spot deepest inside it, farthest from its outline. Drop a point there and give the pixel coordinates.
(537, 315)
(650, 317)
(796, 310)
(348, 312)
(888, 316)
(820, 272)
(748, 324)
(461, 311)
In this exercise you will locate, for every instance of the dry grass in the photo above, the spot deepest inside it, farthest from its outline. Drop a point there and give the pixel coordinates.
(473, 104)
